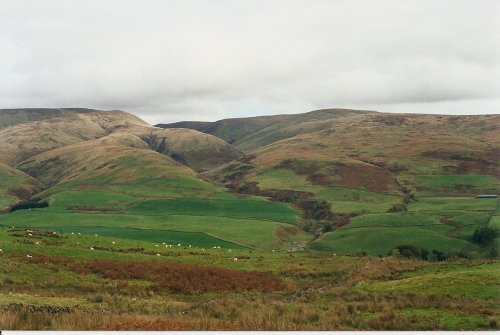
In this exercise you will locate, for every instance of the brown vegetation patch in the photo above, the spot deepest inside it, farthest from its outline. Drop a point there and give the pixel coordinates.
(371, 178)
(174, 277)
(159, 324)
(283, 233)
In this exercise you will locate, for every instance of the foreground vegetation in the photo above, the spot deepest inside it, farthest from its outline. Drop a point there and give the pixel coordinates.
(88, 282)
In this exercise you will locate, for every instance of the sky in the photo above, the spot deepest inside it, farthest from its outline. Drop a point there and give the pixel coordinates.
(168, 61)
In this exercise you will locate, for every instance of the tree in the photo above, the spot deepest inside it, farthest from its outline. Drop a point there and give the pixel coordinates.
(485, 236)
(424, 254)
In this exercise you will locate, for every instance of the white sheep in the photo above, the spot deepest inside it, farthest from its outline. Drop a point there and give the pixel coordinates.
(158, 255)
(29, 256)
(113, 242)
(79, 233)
(30, 235)
(1, 250)
(214, 248)
(91, 248)
(37, 243)
(95, 235)
(235, 259)
(202, 249)
(218, 247)
(72, 233)
(179, 245)
(190, 245)
(156, 245)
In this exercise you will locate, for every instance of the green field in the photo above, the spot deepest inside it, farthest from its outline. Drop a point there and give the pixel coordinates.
(247, 232)
(469, 184)
(381, 240)
(481, 281)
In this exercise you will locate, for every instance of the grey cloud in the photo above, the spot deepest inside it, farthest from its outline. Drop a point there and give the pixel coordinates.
(175, 60)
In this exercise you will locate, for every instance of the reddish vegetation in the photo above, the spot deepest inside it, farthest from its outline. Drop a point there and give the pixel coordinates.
(370, 177)
(284, 233)
(174, 277)
(172, 325)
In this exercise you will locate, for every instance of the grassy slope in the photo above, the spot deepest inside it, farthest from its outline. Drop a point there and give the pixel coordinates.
(15, 186)
(367, 293)
(117, 182)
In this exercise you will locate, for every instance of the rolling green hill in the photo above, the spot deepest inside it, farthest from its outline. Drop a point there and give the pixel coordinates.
(333, 180)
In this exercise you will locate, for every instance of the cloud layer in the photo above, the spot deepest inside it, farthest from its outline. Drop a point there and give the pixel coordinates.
(184, 60)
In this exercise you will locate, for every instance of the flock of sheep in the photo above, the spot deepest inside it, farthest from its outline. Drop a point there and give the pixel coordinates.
(30, 234)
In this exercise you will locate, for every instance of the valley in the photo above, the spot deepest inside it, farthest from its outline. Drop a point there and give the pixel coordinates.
(331, 219)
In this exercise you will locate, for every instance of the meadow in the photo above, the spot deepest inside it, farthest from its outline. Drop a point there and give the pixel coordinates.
(123, 285)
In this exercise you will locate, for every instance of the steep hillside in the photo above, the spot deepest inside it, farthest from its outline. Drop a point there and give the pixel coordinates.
(42, 130)
(192, 148)
(15, 186)
(357, 165)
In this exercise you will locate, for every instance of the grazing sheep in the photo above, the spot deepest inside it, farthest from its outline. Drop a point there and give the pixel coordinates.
(179, 245)
(91, 248)
(54, 233)
(334, 254)
(158, 255)
(235, 259)
(156, 245)
(29, 256)
(1, 250)
(163, 243)
(273, 250)
(218, 247)
(203, 250)
(37, 243)
(95, 235)
(214, 248)
(77, 243)
(30, 235)
(79, 234)
(190, 245)
(113, 242)
(72, 233)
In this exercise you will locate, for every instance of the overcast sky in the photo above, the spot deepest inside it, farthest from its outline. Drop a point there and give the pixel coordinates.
(168, 61)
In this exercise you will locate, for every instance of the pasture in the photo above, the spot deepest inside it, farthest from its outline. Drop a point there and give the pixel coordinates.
(209, 290)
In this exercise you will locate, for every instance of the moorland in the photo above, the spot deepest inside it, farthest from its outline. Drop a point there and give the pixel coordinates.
(332, 219)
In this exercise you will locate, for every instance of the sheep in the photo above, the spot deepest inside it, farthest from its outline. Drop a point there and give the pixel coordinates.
(37, 243)
(1, 250)
(203, 250)
(179, 245)
(113, 242)
(72, 233)
(235, 259)
(77, 243)
(95, 235)
(54, 233)
(30, 235)
(91, 248)
(273, 250)
(29, 256)
(214, 248)
(334, 254)
(190, 245)
(218, 247)
(156, 245)
(158, 255)
(79, 233)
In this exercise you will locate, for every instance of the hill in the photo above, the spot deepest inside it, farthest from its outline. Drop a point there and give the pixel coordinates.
(16, 186)
(342, 165)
